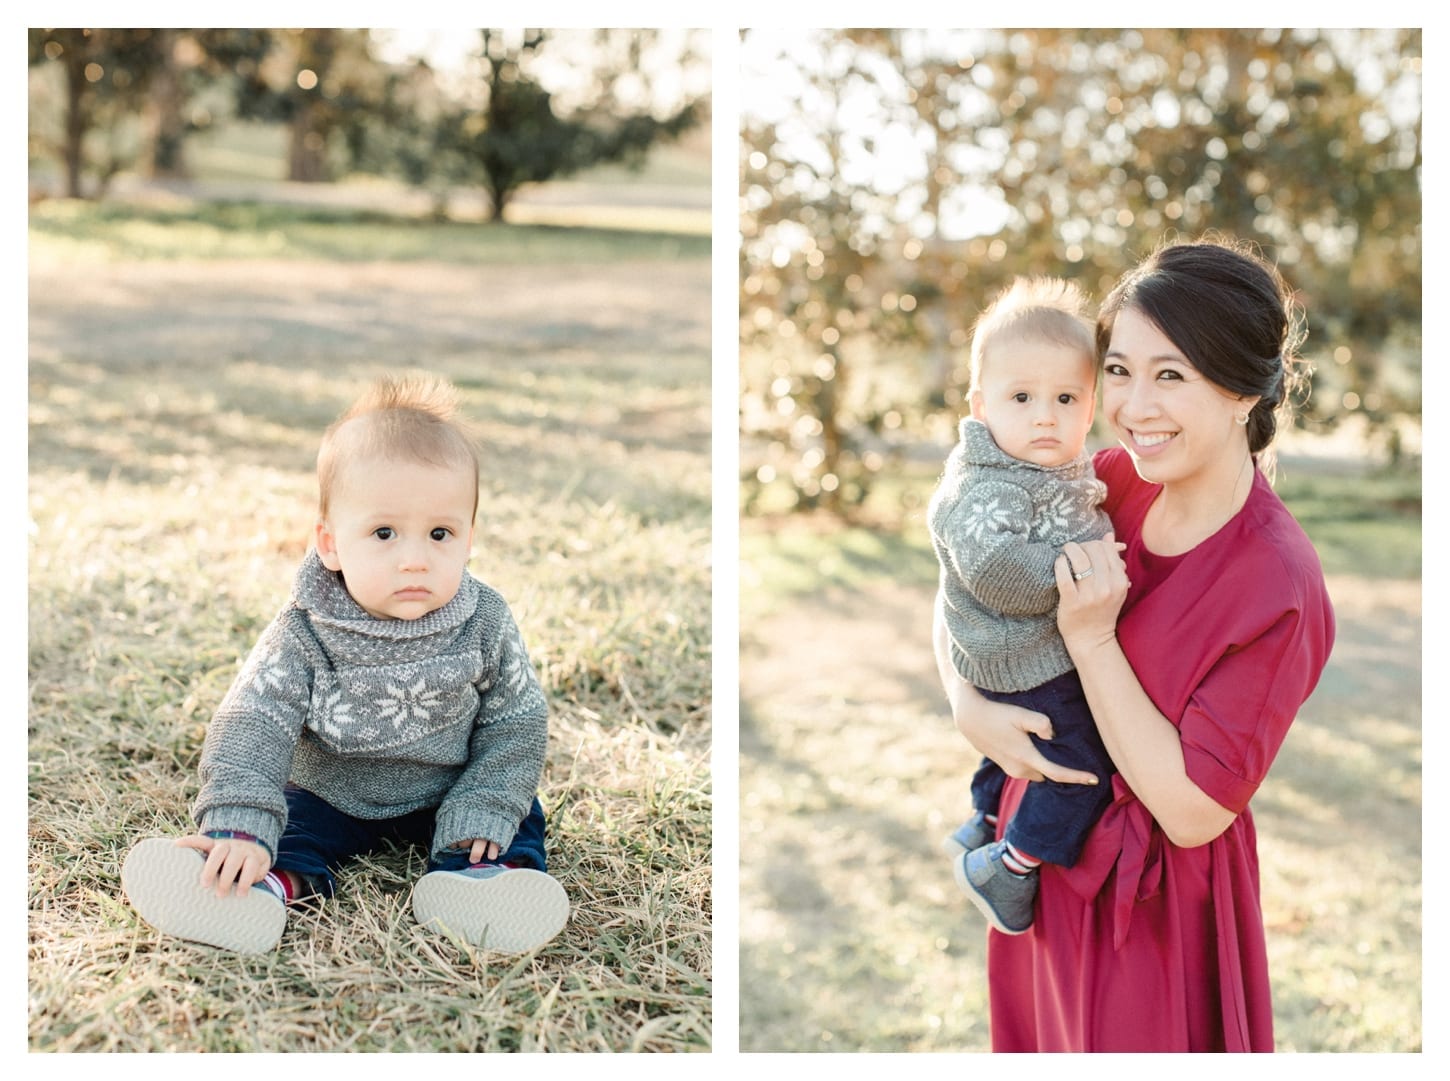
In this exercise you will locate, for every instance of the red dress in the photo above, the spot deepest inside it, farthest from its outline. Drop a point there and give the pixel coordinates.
(1145, 946)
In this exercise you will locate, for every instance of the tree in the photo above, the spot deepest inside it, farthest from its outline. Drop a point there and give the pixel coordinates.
(966, 157)
(105, 75)
(317, 82)
(188, 63)
(515, 131)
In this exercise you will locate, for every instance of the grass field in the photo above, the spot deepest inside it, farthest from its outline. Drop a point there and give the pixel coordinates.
(183, 363)
(854, 936)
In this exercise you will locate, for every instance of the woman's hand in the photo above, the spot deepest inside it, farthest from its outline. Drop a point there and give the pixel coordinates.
(230, 862)
(997, 729)
(1000, 731)
(1092, 583)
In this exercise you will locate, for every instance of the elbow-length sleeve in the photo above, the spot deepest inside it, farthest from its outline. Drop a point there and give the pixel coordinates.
(1265, 627)
(1237, 718)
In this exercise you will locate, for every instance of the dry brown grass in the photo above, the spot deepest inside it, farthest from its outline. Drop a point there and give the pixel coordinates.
(174, 412)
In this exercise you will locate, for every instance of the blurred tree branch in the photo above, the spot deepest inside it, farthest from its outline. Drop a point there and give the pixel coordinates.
(907, 175)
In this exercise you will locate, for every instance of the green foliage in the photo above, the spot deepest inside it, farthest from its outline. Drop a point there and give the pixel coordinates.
(104, 77)
(905, 176)
(104, 101)
(520, 134)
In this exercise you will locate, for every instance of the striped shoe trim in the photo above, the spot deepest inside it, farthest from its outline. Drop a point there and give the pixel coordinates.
(160, 879)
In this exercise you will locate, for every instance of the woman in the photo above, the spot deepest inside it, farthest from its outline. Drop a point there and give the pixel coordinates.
(1198, 627)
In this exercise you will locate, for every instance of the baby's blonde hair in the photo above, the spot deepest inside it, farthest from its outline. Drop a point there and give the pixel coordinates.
(414, 418)
(1034, 309)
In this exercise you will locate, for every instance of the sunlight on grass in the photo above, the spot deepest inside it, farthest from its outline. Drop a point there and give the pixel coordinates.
(848, 753)
(174, 419)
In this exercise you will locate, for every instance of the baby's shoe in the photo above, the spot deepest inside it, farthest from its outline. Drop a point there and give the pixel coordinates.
(509, 909)
(1005, 898)
(971, 834)
(162, 879)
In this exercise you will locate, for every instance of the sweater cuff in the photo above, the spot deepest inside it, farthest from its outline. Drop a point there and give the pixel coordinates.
(261, 825)
(469, 824)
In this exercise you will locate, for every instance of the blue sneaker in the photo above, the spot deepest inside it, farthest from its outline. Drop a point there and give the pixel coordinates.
(509, 909)
(1005, 898)
(162, 880)
(971, 834)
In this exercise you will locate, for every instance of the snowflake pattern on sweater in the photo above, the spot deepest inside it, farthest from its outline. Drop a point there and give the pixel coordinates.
(998, 525)
(380, 717)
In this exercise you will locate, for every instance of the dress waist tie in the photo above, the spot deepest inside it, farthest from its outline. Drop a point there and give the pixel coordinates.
(1126, 837)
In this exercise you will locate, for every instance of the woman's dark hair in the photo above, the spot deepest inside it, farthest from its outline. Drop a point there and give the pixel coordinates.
(1232, 315)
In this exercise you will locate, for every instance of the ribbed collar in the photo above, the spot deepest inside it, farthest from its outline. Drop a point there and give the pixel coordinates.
(323, 595)
(979, 448)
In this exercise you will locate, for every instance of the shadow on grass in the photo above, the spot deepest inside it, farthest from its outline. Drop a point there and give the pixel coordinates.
(842, 888)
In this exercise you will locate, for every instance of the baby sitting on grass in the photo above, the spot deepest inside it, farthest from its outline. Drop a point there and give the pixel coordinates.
(391, 699)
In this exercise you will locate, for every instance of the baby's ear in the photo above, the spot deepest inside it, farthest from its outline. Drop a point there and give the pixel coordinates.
(979, 409)
(326, 546)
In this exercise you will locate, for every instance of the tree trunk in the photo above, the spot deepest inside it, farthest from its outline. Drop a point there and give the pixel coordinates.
(498, 198)
(165, 124)
(306, 149)
(76, 121)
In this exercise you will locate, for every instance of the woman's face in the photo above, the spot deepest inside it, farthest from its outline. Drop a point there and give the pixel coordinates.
(1178, 426)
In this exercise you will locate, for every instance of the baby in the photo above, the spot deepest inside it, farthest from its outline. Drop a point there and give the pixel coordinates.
(1016, 488)
(391, 699)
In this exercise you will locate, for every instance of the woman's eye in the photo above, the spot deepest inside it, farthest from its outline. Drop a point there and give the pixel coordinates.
(1169, 373)
(383, 532)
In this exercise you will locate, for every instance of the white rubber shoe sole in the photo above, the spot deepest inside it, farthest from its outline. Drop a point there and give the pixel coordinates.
(161, 877)
(514, 910)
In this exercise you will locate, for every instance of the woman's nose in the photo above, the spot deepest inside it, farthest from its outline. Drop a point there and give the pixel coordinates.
(1140, 401)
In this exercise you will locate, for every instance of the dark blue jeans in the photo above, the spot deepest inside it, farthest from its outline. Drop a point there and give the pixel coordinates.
(1053, 820)
(319, 837)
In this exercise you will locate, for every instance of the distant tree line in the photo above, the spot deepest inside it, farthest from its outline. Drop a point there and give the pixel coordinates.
(1067, 152)
(124, 99)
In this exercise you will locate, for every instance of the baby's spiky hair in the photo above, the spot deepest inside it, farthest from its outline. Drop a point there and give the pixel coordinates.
(414, 418)
(1047, 309)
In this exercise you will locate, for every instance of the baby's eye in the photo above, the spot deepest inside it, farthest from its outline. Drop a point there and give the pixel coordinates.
(441, 534)
(383, 532)
(1020, 396)
(1066, 399)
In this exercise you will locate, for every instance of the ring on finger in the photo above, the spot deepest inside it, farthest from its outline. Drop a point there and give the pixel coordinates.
(1078, 576)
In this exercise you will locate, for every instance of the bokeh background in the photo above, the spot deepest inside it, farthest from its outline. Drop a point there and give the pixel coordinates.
(891, 182)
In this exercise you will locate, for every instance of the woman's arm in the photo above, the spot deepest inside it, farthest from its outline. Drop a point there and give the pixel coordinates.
(997, 729)
(1143, 744)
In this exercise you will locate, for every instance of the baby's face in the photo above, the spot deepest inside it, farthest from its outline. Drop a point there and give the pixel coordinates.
(1036, 398)
(400, 533)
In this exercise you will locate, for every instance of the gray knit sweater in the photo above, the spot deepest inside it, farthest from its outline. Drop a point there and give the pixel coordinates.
(998, 525)
(379, 717)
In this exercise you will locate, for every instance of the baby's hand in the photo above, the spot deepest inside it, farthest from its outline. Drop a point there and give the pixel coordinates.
(230, 862)
(482, 849)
